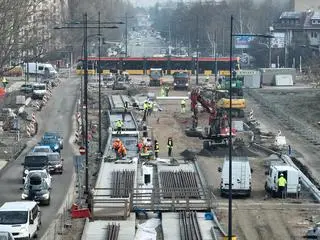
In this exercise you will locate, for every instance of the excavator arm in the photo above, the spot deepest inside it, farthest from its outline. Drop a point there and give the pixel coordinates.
(209, 106)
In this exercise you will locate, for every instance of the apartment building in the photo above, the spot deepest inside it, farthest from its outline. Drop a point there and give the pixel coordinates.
(302, 23)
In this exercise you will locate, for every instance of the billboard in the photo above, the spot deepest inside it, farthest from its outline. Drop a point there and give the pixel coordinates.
(279, 40)
(243, 41)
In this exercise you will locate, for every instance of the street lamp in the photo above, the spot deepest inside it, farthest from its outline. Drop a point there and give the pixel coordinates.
(84, 25)
(230, 120)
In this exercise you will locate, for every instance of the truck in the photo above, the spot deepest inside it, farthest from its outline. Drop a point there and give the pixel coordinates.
(156, 75)
(241, 177)
(44, 70)
(181, 80)
(290, 173)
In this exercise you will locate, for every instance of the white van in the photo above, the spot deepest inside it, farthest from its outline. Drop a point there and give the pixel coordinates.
(40, 69)
(290, 173)
(241, 177)
(39, 90)
(21, 218)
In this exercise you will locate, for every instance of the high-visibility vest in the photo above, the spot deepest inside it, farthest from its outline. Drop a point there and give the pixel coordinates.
(282, 182)
(145, 106)
(183, 103)
(119, 123)
(156, 147)
(170, 143)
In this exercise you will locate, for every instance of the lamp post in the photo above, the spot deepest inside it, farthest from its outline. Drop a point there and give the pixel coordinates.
(84, 26)
(230, 120)
(197, 66)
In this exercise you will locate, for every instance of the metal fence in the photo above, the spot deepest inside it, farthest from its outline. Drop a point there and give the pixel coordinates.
(10, 146)
(60, 227)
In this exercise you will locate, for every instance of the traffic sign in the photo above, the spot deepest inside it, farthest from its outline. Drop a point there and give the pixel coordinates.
(82, 150)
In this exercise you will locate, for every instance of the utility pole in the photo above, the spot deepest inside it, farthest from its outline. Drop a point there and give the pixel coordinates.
(215, 57)
(230, 136)
(99, 74)
(126, 34)
(197, 66)
(85, 95)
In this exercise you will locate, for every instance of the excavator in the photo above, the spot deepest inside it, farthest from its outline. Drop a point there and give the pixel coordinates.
(238, 103)
(218, 131)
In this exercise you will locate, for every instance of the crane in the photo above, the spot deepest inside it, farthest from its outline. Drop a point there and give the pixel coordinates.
(218, 131)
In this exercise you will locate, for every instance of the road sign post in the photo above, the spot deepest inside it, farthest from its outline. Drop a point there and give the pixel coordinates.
(82, 150)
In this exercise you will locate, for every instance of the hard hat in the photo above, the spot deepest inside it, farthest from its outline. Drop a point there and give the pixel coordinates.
(281, 174)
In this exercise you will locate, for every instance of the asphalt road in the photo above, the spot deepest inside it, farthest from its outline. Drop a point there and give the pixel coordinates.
(55, 116)
(149, 47)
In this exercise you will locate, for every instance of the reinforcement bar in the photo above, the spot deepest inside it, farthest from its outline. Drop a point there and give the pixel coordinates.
(113, 231)
(189, 226)
(122, 182)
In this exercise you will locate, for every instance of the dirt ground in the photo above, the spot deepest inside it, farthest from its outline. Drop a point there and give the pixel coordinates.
(249, 221)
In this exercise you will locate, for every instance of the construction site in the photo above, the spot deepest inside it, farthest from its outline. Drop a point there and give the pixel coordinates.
(185, 195)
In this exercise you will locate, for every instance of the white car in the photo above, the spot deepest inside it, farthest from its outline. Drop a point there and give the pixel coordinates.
(45, 149)
(43, 173)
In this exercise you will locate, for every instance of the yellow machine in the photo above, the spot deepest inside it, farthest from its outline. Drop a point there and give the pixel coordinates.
(238, 104)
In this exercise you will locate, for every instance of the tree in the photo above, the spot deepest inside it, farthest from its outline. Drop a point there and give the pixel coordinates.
(21, 38)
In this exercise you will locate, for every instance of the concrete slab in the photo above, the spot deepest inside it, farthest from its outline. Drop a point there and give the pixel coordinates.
(170, 226)
(205, 226)
(97, 229)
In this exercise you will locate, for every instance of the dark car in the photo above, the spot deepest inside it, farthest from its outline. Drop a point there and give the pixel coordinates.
(47, 135)
(55, 163)
(34, 161)
(27, 88)
(53, 143)
(36, 189)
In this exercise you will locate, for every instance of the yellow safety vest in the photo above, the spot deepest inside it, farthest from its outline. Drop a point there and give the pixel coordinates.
(119, 124)
(145, 106)
(282, 182)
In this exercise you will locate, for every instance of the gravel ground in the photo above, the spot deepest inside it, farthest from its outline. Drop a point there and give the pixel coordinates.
(253, 223)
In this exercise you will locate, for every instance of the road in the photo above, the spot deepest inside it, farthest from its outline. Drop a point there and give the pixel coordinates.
(55, 116)
(149, 47)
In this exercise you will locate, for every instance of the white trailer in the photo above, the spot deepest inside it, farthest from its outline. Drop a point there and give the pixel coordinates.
(241, 176)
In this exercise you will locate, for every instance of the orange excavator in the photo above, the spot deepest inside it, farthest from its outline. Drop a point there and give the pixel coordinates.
(217, 133)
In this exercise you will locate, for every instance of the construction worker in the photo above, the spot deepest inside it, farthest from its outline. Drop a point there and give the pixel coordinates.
(145, 110)
(122, 151)
(156, 149)
(4, 82)
(162, 92)
(150, 108)
(282, 182)
(139, 146)
(116, 145)
(167, 89)
(119, 125)
(183, 106)
(170, 146)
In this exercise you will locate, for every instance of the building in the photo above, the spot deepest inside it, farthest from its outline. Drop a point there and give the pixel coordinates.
(39, 29)
(304, 5)
(297, 23)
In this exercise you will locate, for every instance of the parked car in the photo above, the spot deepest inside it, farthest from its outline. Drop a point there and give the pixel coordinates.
(26, 88)
(36, 189)
(44, 149)
(55, 163)
(43, 173)
(54, 135)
